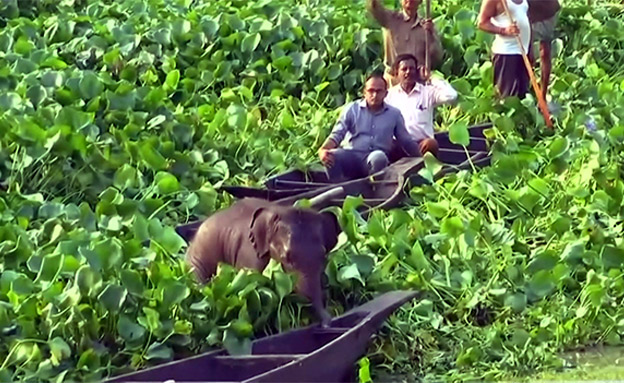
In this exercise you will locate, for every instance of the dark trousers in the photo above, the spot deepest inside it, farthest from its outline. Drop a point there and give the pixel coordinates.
(352, 164)
(510, 75)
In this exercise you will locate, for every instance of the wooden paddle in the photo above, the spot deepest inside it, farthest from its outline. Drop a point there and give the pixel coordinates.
(541, 101)
(427, 17)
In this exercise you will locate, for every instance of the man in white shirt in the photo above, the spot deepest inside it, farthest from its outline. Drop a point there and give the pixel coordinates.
(416, 99)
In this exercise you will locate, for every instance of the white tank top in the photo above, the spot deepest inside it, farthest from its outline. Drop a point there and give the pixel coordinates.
(507, 45)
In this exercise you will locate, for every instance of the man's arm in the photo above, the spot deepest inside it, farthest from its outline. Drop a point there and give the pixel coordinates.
(442, 92)
(379, 12)
(344, 124)
(489, 9)
(406, 141)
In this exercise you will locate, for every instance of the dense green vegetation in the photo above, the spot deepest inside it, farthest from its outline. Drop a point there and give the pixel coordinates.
(120, 120)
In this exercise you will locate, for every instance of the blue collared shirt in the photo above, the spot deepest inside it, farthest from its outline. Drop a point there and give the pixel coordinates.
(373, 130)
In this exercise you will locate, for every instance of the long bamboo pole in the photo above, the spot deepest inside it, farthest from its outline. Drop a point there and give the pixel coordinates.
(541, 101)
(427, 17)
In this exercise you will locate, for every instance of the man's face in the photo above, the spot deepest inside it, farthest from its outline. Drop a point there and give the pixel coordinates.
(374, 92)
(407, 71)
(410, 6)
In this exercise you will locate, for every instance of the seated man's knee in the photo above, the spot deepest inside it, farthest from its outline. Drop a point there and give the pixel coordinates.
(429, 145)
(376, 161)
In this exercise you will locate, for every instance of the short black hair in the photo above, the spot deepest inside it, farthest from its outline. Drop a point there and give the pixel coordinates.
(375, 74)
(399, 59)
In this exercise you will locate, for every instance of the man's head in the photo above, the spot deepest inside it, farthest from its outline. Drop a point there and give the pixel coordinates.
(410, 7)
(375, 90)
(405, 69)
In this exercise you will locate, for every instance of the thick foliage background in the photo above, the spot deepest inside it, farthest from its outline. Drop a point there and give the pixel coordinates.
(120, 119)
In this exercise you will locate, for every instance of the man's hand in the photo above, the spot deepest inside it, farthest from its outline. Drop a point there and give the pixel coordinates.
(428, 25)
(327, 158)
(511, 30)
(428, 145)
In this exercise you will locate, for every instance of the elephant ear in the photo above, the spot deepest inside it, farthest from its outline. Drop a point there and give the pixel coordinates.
(261, 229)
(331, 230)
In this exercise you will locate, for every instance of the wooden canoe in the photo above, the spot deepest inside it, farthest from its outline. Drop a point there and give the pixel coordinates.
(382, 190)
(312, 354)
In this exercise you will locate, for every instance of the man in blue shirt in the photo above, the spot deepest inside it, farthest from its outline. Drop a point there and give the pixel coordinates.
(372, 124)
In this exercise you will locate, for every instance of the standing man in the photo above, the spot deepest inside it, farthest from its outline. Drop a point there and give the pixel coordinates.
(404, 32)
(372, 124)
(543, 16)
(510, 75)
(416, 100)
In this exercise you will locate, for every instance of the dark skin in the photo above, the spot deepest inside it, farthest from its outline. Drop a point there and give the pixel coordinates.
(375, 91)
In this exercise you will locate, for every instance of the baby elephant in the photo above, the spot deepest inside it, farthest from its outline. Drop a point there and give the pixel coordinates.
(252, 231)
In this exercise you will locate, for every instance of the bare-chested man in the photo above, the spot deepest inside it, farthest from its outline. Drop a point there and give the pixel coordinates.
(404, 32)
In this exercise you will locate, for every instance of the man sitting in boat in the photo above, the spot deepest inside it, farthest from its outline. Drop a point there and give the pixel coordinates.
(372, 124)
(416, 98)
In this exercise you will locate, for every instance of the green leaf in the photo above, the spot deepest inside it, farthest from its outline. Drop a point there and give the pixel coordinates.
(166, 183)
(432, 167)
(174, 293)
(234, 345)
(36, 94)
(458, 134)
(417, 258)
(543, 261)
(517, 302)
(364, 371)
(90, 86)
(126, 177)
(132, 281)
(452, 226)
(52, 79)
(170, 240)
(283, 283)
(250, 42)
(350, 272)
(375, 228)
(113, 297)
(151, 321)
(612, 257)
(50, 268)
(60, 350)
(172, 80)
(237, 116)
(87, 280)
(129, 330)
(158, 351)
(559, 146)
(10, 100)
(152, 157)
(542, 283)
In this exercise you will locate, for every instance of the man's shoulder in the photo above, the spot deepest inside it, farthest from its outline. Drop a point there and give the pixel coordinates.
(392, 111)
(394, 89)
(351, 105)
